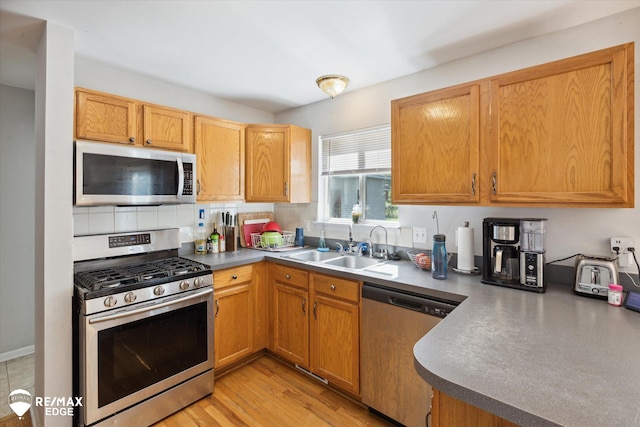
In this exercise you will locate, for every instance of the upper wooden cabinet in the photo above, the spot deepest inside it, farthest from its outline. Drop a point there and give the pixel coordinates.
(111, 118)
(103, 117)
(167, 128)
(278, 164)
(562, 133)
(219, 147)
(558, 134)
(436, 146)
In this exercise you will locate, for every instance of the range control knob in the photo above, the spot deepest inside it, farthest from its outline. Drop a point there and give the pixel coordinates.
(198, 281)
(184, 285)
(130, 297)
(158, 290)
(110, 301)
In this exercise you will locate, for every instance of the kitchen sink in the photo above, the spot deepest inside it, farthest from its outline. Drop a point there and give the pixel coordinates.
(314, 256)
(336, 260)
(353, 262)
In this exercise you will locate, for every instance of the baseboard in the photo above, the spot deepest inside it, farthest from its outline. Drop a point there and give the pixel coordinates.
(14, 354)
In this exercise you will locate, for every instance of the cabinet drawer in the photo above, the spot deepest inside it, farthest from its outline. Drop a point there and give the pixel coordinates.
(336, 287)
(291, 276)
(232, 276)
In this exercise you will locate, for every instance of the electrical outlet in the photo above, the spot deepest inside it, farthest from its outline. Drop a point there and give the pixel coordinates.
(622, 244)
(419, 235)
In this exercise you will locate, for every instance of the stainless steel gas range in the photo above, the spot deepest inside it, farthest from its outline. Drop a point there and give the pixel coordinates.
(143, 328)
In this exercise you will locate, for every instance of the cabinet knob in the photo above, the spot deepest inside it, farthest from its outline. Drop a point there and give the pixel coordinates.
(148, 142)
(234, 277)
(132, 139)
(288, 276)
(333, 287)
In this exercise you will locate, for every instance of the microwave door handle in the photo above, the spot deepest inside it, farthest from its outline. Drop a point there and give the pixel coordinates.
(180, 177)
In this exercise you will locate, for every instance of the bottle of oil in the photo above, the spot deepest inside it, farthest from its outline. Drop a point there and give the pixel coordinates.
(215, 240)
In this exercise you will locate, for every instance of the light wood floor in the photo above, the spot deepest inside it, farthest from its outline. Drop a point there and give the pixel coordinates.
(269, 393)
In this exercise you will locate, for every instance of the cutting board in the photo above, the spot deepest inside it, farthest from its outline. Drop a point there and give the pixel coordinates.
(252, 222)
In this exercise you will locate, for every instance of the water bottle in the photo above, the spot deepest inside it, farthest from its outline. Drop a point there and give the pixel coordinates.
(439, 257)
(200, 240)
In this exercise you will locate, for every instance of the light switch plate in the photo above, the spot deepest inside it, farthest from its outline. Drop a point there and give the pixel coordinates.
(419, 235)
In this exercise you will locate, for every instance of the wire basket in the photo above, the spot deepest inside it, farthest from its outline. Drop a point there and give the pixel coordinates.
(421, 258)
(273, 241)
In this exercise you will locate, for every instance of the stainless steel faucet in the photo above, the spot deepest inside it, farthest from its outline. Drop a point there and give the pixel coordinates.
(385, 254)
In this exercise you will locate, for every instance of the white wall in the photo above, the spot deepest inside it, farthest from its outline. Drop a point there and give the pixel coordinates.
(569, 231)
(53, 264)
(17, 235)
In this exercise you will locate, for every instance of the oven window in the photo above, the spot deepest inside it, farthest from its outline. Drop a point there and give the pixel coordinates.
(136, 355)
(115, 175)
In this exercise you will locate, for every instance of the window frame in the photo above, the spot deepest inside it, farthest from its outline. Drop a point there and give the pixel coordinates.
(324, 211)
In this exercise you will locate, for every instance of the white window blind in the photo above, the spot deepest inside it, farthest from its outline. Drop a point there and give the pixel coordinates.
(364, 151)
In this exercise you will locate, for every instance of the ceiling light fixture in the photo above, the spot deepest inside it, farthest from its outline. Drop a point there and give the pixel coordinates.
(332, 84)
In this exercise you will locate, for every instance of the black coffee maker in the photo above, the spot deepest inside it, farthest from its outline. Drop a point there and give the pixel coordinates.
(501, 251)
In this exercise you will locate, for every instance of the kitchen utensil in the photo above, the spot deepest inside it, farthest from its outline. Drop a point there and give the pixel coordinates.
(594, 274)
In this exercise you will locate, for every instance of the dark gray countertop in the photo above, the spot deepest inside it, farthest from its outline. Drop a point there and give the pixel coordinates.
(535, 359)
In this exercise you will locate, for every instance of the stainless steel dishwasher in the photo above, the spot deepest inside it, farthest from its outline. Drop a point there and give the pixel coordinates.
(392, 322)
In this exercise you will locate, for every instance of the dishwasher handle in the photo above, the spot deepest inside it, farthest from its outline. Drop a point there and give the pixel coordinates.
(401, 302)
(422, 304)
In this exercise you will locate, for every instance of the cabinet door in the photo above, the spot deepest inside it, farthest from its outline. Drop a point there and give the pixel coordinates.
(561, 133)
(233, 326)
(447, 411)
(291, 323)
(167, 128)
(219, 147)
(268, 164)
(100, 117)
(335, 342)
(435, 146)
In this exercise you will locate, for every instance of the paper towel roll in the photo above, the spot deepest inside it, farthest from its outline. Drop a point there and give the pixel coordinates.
(466, 260)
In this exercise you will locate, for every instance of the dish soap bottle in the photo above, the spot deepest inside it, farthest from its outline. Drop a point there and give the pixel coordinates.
(322, 244)
(200, 240)
(439, 257)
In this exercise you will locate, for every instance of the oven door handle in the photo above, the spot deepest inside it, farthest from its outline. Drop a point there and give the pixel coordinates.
(149, 307)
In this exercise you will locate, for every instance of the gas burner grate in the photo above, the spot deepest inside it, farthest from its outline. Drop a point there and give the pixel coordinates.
(178, 266)
(95, 280)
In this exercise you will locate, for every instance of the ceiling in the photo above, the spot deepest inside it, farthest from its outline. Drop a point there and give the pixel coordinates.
(268, 54)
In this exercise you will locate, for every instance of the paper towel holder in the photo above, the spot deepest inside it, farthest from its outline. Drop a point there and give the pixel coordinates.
(464, 242)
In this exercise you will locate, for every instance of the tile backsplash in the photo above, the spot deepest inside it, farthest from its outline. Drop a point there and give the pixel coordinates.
(117, 219)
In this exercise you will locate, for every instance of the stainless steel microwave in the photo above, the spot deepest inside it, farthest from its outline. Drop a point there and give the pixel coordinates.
(119, 175)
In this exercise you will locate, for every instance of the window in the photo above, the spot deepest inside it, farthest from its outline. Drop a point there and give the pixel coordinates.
(356, 170)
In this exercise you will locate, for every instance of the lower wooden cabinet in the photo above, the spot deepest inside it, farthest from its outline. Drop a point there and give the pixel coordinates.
(316, 324)
(335, 331)
(290, 309)
(240, 313)
(447, 411)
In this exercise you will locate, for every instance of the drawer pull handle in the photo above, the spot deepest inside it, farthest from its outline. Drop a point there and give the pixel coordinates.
(217, 308)
(333, 287)
(304, 303)
(315, 306)
(234, 277)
